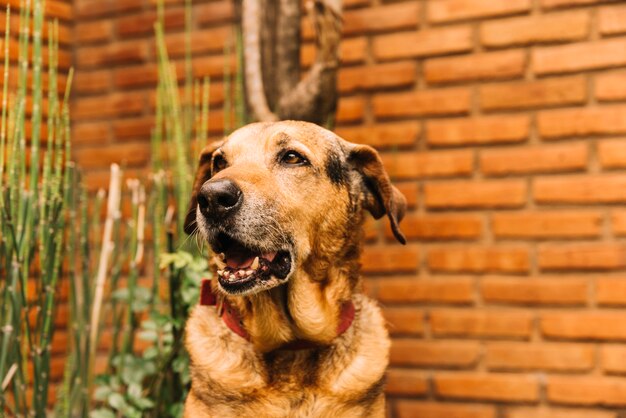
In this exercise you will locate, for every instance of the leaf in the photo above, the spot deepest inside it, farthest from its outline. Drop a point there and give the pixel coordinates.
(120, 295)
(144, 403)
(148, 335)
(102, 393)
(101, 413)
(117, 401)
(134, 391)
(151, 353)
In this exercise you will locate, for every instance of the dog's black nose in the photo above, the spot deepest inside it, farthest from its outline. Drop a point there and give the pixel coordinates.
(219, 198)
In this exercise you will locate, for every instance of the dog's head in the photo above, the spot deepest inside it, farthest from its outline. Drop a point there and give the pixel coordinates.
(273, 196)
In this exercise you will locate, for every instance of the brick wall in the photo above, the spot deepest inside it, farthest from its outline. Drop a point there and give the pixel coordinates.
(502, 122)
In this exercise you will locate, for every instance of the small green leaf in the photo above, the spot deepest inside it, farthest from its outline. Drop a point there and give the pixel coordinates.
(101, 413)
(117, 401)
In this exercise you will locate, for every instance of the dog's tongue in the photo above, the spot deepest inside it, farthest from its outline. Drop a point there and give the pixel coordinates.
(240, 260)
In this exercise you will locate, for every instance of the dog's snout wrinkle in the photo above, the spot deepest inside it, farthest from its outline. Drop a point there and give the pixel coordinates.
(219, 198)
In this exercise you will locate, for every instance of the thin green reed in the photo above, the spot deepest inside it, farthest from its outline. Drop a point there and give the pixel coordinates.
(33, 196)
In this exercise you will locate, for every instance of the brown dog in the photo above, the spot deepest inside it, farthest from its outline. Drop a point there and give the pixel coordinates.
(281, 204)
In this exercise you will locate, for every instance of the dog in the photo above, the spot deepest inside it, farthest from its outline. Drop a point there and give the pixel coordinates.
(282, 205)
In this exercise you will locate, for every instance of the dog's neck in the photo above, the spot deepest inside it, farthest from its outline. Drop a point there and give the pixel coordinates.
(306, 308)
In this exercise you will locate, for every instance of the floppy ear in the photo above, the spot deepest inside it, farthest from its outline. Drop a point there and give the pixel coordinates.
(380, 196)
(203, 173)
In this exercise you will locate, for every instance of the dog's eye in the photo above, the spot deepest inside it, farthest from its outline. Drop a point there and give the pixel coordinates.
(293, 158)
(219, 163)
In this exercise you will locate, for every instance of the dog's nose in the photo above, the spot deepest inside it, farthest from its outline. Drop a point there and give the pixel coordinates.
(219, 198)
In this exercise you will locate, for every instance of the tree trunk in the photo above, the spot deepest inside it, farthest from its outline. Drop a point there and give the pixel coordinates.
(272, 41)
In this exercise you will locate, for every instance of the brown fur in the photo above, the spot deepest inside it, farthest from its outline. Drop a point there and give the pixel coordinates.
(319, 209)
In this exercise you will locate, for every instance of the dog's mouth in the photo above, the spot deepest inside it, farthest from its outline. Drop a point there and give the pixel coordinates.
(242, 269)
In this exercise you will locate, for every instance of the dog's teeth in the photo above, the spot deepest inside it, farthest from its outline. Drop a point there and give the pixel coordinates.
(255, 264)
(232, 276)
(249, 272)
(220, 272)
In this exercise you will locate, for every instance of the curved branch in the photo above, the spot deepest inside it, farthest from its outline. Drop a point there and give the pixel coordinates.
(252, 53)
(314, 99)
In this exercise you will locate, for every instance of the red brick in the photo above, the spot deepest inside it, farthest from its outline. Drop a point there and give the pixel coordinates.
(610, 87)
(90, 133)
(428, 164)
(137, 76)
(413, 409)
(111, 54)
(478, 130)
(129, 154)
(550, 4)
(494, 387)
(579, 56)
(215, 11)
(551, 412)
(484, 259)
(65, 32)
(133, 128)
(481, 323)
(605, 120)
(406, 382)
(350, 109)
(410, 191)
(64, 56)
(390, 259)
(482, 66)
(382, 135)
(382, 18)
(379, 76)
(475, 194)
(143, 23)
(612, 20)
(351, 51)
(92, 81)
(551, 356)
(613, 358)
(593, 390)
(618, 221)
(435, 354)
(612, 153)
(202, 41)
(93, 8)
(449, 10)
(584, 325)
(536, 159)
(534, 291)
(404, 320)
(96, 179)
(528, 94)
(611, 291)
(421, 103)
(561, 27)
(113, 105)
(581, 189)
(547, 224)
(212, 66)
(453, 290)
(440, 227)
(422, 43)
(58, 9)
(582, 256)
(93, 31)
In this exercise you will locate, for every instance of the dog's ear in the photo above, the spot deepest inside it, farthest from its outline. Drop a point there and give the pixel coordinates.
(380, 196)
(203, 173)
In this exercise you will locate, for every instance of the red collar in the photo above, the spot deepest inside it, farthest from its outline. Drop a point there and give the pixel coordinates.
(231, 318)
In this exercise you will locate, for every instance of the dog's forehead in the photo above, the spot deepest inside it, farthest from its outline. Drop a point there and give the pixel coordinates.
(267, 137)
